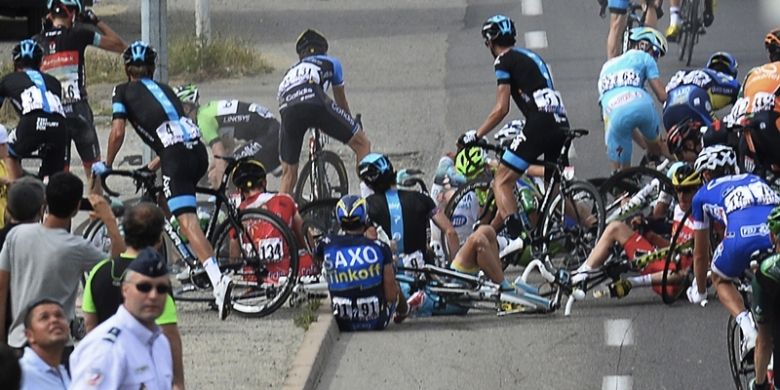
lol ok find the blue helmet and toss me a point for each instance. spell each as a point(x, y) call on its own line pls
point(723, 62)
point(139, 53)
point(652, 36)
point(376, 171)
point(352, 212)
point(28, 53)
point(54, 4)
point(498, 26)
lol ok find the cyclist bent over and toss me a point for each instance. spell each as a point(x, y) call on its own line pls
point(523, 75)
point(36, 99)
point(158, 118)
point(624, 102)
point(766, 295)
point(304, 103)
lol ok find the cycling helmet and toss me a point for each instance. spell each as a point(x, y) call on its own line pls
point(498, 26)
point(772, 41)
point(139, 53)
point(681, 132)
point(685, 176)
point(54, 5)
point(311, 42)
point(470, 161)
point(652, 36)
point(723, 62)
point(352, 212)
point(28, 53)
point(247, 174)
point(773, 220)
point(718, 158)
point(376, 171)
point(187, 93)
point(509, 132)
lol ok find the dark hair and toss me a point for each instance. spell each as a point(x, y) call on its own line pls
point(63, 194)
point(504, 41)
point(139, 71)
point(143, 225)
point(26, 196)
point(10, 371)
point(29, 310)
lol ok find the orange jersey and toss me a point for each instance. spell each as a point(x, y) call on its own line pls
point(760, 91)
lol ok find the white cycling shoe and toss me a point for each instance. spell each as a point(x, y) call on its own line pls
point(748, 344)
point(222, 292)
point(513, 246)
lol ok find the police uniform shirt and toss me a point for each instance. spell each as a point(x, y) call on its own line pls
point(121, 353)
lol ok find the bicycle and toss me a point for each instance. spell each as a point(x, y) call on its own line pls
point(691, 29)
point(242, 250)
point(636, 15)
point(315, 175)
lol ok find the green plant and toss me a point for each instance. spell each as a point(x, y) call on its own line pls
point(103, 67)
point(307, 314)
point(221, 57)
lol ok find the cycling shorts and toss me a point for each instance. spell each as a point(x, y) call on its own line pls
point(542, 135)
point(637, 245)
point(618, 6)
point(317, 110)
point(182, 165)
point(623, 113)
point(264, 148)
point(38, 130)
point(732, 256)
point(765, 134)
point(766, 290)
point(687, 102)
point(81, 126)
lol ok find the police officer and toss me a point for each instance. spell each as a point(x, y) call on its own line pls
point(129, 350)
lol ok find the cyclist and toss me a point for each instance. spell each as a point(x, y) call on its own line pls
point(618, 20)
point(36, 99)
point(304, 103)
point(624, 102)
point(673, 31)
point(523, 75)
point(697, 93)
point(684, 140)
point(359, 271)
point(64, 43)
point(224, 122)
point(158, 118)
point(766, 287)
point(740, 202)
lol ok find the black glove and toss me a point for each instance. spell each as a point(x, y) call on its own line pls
point(88, 17)
point(708, 18)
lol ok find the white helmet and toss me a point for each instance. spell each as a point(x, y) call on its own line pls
point(716, 156)
point(509, 132)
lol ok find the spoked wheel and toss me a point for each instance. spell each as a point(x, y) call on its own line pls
point(741, 372)
point(685, 10)
point(463, 202)
point(623, 185)
point(319, 219)
point(693, 25)
point(678, 268)
point(262, 259)
point(323, 177)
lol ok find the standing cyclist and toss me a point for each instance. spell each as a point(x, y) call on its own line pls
point(158, 118)
point(36, 98)
point(64, 46)
point(304, 103)
point(673, 32)
point(618, 19)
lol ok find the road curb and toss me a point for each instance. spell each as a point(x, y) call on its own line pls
point(316, 345)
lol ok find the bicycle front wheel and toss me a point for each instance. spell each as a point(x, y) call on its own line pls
point(741, 372)
point(693, 34)
point(625, 184)
point(319, 219)
point(260, 254)
point(323, 177)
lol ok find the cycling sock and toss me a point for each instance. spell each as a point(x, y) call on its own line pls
point(746, 324)
point(506, 285)
point(364, 190)
point(212, 269)
point(641, 280)
point(675, 15)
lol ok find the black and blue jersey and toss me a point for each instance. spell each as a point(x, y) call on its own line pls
point(530, 80)
point(320, 70)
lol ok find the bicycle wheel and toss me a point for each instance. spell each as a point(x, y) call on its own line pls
point(262, 259)
point(741, 372)
point(694, 23)
point(317, 178)
point(625, 184)
point(678, 267)
point(319, 219)
point(685, 9)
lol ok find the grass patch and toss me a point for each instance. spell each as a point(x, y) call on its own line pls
point(222, 57)
point(103, 67)
point(307, 315)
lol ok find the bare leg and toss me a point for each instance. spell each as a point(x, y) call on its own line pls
point(360, 145)
point(14, 168)
point(614, 232)
point(481, 250)
point(289, 177)
point(189, 224)
point(763, 351)
point(503, 188)
point(728, 295)
point(617, 23)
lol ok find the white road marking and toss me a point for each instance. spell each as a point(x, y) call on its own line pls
point(617, 382)
point(532, 7)
point(618, 332)
point(536, 39)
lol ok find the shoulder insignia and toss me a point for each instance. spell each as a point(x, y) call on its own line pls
point(112, 334)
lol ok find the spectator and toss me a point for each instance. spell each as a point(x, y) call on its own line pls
point(128, 350)
point(46, 330)
point(10, 372)
point(26, 203)
point(5, 180)
point(143, 227)
point(45, 261)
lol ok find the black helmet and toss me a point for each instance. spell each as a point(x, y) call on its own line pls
point(28, 53)
point(56, 6)
point(772, 41)
point(311, 42)
point(376, 171)
point(681, 132)
point(248, 173)
point(499, 27)
point(139, 53)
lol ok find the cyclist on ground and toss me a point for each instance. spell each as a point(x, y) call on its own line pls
point(225, 122)
point(697, 93)
point(618, 19)
point(523, 75)
point(741, 203)
point(675, 22)
point(304, 103)
point(369, 299)
point(158, 118)
point(625, 103)
point(64, 41)
point(766, 295)
point(36, 98)
point(684, 141)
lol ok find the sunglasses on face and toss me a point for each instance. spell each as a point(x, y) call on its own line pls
point(145, 287)
point(685, 190)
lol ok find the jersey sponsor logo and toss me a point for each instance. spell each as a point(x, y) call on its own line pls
point(65, 67)
point(623, 98)
point(755, 193)
point(754, 230)
point(697, 77)
point(363, 264)
point(236, 119)
point(458, 220)
point(623, 78)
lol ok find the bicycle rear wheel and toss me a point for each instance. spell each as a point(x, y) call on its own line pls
point(694, 23)
point(318, 178)
point(624, 184)
point(319, 219)
point(685, 9)
point(262, 258)
point(741, 372)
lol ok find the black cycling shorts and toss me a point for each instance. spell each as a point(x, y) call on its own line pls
point(542, 134)
point(319, 111)
point(264, 147)
point(765, 133)
point(45, 132)
point(81, 126)
point(182, 166)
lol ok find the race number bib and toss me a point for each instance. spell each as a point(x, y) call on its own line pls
point(64, 66)
point(763, 101)
point(227, 107)
point(270, 249)
point(365, 309)
point(299, 74)
point(260, 110)
point(174, 132)
point(549, 100)
point(32, 99)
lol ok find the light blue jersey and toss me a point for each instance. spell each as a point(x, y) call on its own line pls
point(627, 72)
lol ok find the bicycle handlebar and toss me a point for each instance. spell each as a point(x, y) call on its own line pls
point(141, 177)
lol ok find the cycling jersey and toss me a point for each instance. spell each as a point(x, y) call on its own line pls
point(741, 203)
point(269, 240)
point(696, 94)
point(416, 211)
point(321, 70)
point(766, 290)
point(354, 268)
point(64, 58)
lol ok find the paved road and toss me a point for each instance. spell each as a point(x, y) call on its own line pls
point(634, 343)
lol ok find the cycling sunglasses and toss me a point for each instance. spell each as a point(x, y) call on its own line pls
point(649, 48)
point(145, 287)
point(685, 189)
